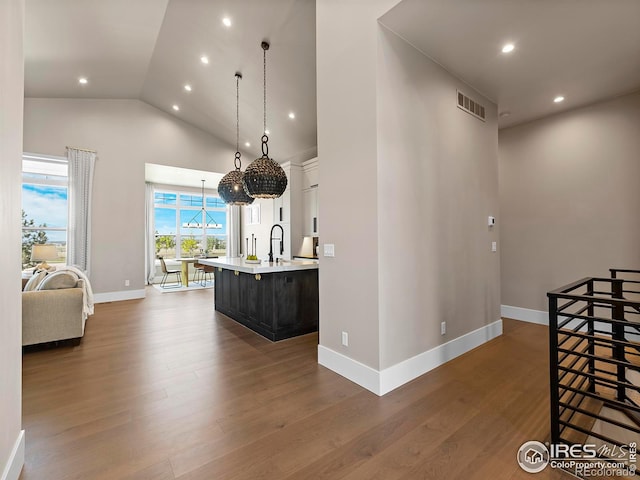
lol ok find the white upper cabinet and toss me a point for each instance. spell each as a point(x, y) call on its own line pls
point(297, 209)
point(310, 173)
point(310, 227)
point(310, 212)
point(287, 210)
point(282, 207)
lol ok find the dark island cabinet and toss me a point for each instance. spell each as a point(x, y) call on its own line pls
point(275, 305)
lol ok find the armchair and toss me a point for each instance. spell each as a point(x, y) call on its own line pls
point(51, 315)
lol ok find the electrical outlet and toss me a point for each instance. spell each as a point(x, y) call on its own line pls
point(329, 250)
point(494, 246)
point(126, 283)
point(443, 328)
point(345, 339)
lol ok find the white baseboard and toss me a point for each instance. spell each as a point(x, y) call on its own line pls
point(118, 296)
point(349, 368)
point(525, 314)
point(16, 460)
point(382, 382)
point(403, 372)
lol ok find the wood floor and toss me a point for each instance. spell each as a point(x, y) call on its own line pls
point(164, 388)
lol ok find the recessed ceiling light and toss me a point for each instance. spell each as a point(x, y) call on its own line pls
point(187, 87)
point(204, 59)
point(176, 107)
point(83, 80)
point(292, 115)
point(558, 99)
point(505, 114)
point(267, 132)
point(247, 144)
point(226, 21)
point(508, 48)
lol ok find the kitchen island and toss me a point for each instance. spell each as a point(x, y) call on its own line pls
point(277, 300)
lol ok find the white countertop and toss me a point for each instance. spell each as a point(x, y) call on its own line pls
point(265, 267)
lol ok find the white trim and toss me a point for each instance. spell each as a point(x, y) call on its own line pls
point(382, 382)
point(403, 372)
point(525, 314)
point(311, 163)
point(349, 368)
point(44, 158)
point(118, 296)
point(16, 460)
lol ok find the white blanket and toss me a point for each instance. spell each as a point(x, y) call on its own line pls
point(87, 293)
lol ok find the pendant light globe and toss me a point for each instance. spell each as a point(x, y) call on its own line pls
point(231, 186)
point(264, 177)
point(231, 189)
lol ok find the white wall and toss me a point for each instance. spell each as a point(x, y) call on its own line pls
point(437, 184)
point(569, 199)
point(126, 134)
point(11, 94)
point(346, 46)
point(407, 183)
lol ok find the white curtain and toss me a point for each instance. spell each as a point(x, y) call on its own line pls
point(149, 235)
point(81, 166)
point(233, 234)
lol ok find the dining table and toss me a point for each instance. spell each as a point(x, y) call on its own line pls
point(185, 267)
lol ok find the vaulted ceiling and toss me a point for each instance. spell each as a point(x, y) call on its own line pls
point(149, 49)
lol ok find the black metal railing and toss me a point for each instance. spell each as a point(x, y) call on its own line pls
point(594, 347)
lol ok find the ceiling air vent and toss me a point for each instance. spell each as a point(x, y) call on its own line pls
point(470, 106)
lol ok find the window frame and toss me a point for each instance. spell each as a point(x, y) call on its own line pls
point(46, 178)
point(179, 207)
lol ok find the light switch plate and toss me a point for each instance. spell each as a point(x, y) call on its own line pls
point(494, 246)
point(329, 250)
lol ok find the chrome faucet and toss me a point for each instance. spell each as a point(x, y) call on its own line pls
point(272, 238)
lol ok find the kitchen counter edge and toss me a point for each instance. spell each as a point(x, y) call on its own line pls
point(264, 267)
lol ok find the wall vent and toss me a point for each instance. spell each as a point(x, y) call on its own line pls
point(470, 106)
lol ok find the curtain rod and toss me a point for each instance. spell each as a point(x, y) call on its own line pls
point(81, 149)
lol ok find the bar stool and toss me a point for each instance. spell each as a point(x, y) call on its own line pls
point(206, 270)
point(198, 271)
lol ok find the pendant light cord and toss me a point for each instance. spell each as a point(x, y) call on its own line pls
point(264, 83)
point(236, 161)
point(265, 138)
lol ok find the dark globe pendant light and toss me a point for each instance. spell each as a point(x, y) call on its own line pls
point(264, 177)
point(230, 187)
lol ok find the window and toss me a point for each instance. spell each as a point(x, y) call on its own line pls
point(44, 205)
point(183, 228)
